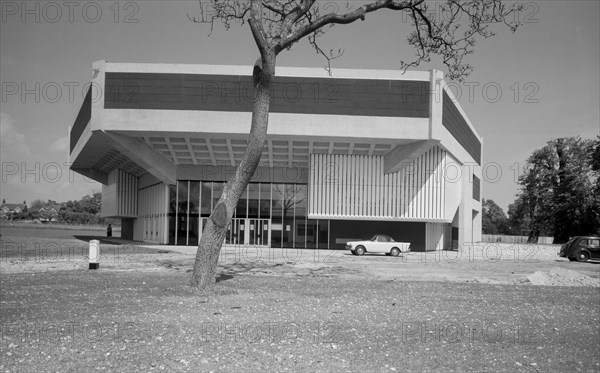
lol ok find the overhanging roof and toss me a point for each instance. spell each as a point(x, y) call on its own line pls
point(177, 117)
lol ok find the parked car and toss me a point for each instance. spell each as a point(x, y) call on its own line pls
point(581, 248)
point(379, 243)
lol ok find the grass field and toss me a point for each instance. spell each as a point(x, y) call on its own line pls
point(136, 314)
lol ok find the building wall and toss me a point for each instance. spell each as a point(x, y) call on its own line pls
point(431, 190)
point(119, 196)
point(346, 186)
point(438, 236)
point(453, 185)
point(151, 224)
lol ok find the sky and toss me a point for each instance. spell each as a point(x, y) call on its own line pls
point(537, 84)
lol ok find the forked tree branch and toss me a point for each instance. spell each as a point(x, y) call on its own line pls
point(278, 25)
point(343, 19)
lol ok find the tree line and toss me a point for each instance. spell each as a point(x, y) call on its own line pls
point(83, 211)
point(559, 194)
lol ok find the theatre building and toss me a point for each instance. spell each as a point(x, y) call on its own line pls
point(348, 155)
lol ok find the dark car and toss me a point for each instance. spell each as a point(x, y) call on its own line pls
point(581, 249)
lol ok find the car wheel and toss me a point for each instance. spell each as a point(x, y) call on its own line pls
point(360, 250)
point(395, 251)
point(572, 259)
point(582, 256)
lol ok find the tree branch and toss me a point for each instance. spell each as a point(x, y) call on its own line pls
point(333, 18)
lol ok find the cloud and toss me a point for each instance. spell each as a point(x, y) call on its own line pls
point(61, 145)
point(12, 143)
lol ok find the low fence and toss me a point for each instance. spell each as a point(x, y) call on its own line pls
point(513, 239)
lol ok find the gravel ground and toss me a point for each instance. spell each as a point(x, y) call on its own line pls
point(333, 313)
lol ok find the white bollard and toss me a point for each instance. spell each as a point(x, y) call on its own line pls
point(94, 254)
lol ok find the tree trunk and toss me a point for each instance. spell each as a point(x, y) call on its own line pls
point(534, 236)
point(562, 216)
point(213, 235)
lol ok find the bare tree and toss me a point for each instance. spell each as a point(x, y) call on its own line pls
point(292, 196)
point(276, 25)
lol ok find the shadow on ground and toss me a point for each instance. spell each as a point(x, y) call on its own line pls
point(103, 239)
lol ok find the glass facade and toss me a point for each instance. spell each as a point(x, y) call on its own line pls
point(268, 214)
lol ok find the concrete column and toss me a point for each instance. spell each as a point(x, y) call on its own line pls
point(465, 214)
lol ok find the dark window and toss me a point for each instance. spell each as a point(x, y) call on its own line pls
point(389, 98)
point(84, 116)
point(310, 233)
point(253, 200)
point(265, 201)
point(454, 122)
point(172, 213)
point(194, 209)
point(205, 206)
point(242, 205)
point(277, 215)
point(476, 188)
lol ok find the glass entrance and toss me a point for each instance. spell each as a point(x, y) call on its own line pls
point(268, 214)
point(258, 233)
point(248, 232)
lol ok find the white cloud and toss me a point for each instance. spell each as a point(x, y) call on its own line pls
point(25, 177)
point(12, 143)
point(61, 145)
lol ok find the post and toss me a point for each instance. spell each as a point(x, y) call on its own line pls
point(94, 256)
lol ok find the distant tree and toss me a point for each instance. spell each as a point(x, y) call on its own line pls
point(3, 201)
point(84, 211)
point(518, 219)
point(92, 203)
point(276, 26)
point(558, 192)
point(595, 163)
point(493, 218)
point(33, 214)
point(36, 204)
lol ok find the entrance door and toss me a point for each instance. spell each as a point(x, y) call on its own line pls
point(247, 231)
point(258, 232)
point(236, 232)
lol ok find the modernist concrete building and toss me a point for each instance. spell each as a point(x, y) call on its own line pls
point(347, 156)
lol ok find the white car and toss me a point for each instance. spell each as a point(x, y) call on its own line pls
point(379, 243)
